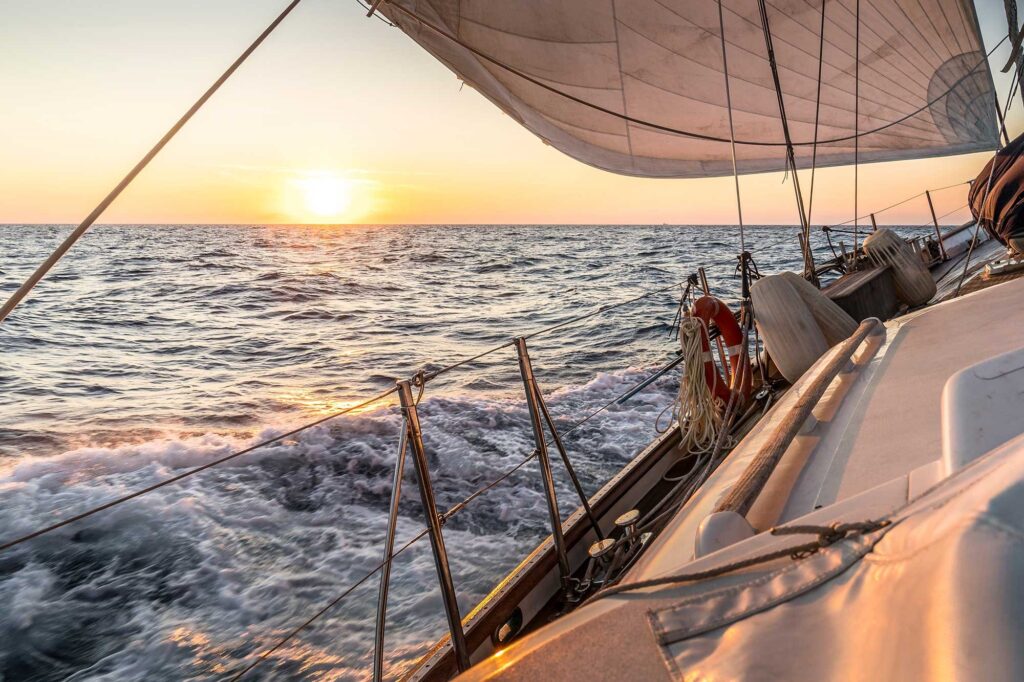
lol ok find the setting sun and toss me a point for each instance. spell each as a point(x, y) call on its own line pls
point(326, 196)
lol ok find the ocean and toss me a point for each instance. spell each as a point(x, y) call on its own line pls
point(153, 349)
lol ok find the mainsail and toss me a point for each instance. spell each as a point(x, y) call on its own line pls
point(637, 86)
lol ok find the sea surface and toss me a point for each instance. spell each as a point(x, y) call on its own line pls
point(150, 350)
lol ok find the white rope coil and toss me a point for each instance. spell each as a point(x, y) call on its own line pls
point(696, 409)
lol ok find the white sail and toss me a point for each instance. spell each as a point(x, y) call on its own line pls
point(924, 81)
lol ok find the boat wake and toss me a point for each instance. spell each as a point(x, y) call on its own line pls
point(199, 577)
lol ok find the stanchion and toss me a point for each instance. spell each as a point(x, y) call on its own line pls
point(444, 575)
point(935, 221)
point(385, 570)
point(533, 403)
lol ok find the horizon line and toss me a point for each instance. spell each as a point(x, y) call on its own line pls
point(502, 224)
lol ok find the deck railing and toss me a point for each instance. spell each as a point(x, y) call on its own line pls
point(545, 436)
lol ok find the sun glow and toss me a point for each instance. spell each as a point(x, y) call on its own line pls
point(325, 195)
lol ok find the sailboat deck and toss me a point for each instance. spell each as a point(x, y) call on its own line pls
point(891, 423)
point(877, 423)
point(948, 275)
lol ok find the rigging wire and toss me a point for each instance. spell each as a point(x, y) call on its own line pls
point(732, 130)
point(455, 509)
point(665, 128)
point(371, 11)
point(808, 254)
point(817, 114)
point(75, 235)
point(856, 128)
point(988, 185)
point(805, 226)
point(1010, 7)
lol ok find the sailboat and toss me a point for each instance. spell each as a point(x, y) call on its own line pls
point(839, 493)
point(864, 522)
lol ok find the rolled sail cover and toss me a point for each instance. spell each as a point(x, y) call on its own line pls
point(571, 70)
point(999, 207)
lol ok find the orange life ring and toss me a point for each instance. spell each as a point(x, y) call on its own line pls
point(707, 309)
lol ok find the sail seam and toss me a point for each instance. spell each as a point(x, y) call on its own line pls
point(622, 79)
point(783, 41)
point(665, 128)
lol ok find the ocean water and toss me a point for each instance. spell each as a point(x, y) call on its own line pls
point(152, 349)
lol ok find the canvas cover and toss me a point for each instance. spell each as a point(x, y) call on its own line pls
point(996, 196)
point(925, 86)
point(936, 594)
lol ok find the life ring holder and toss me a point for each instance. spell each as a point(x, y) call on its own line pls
point(708, 309)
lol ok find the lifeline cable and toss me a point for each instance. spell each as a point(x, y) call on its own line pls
point(455, 509)
point(334, 602)
point(900, 203)
point(186, 474)
point(602, 309)
point(422, 379)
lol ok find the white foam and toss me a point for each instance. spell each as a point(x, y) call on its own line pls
point(192, 579)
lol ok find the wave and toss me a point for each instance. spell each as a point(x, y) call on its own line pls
point(174, 365)
point(195, 578)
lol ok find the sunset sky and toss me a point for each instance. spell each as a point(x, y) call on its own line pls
point(336, 118)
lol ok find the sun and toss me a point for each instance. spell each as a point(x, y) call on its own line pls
point(325, 195)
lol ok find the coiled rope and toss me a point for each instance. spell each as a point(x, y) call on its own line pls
point(696, 409)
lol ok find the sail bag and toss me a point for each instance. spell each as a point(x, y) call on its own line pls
point(997, 195)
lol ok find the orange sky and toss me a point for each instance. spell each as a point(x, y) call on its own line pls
point(335, 119)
